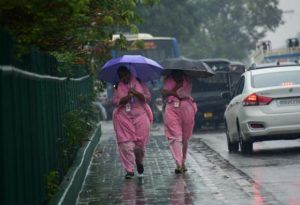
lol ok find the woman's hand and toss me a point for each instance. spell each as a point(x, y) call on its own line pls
point(125, 100)
point(177, 86)
point(137, 94)
point(166, 93)
point(133, 92)
point(172, 92)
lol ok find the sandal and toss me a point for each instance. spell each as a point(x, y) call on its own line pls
point(140, 168)
point(178, 171)
point(184, 169)
point(129, 175)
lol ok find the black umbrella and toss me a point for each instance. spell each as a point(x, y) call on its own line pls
point(193, 68)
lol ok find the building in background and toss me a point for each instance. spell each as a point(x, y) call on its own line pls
point(265, 54)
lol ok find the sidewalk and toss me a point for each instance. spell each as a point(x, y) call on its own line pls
point(202, 184)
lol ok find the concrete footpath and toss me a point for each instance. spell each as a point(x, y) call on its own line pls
point(206, 182)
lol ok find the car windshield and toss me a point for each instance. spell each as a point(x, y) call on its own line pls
point(218, 65)
point(276, 79)
point(219, 82)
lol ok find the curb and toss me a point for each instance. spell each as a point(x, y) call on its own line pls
point(71, 185)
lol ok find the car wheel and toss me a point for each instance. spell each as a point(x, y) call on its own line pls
point(232, 146)
point(245, 146)
point(216, 125)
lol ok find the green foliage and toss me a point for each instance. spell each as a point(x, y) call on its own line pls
point(77, 125)
point(74, 30)
point(46, 24)
point(75, 129)
point(213, 28)
point(52, 180)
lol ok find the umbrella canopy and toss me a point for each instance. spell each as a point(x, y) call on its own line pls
point(193, 68)
point(143, 68)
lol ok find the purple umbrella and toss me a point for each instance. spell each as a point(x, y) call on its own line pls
point(140, 66)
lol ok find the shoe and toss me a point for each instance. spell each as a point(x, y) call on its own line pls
point(140, 176)
point(178, 171)
point(129, 175)
point(184, 169)
point(140, 168)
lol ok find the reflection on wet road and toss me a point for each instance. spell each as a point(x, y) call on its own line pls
point(133, 193)
point(179, 192)
point(210, 179)
point(257, 197)
point(273, 166)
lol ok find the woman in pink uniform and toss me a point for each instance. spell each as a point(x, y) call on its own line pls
point(179, 115)
point(131, 118)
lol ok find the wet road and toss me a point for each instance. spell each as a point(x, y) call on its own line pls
point(274, 165)
point(269, 176)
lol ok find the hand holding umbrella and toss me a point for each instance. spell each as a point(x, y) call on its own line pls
point(125, 100)
point(172, 92)
point(134, 93)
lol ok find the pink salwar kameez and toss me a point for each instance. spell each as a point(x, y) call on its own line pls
point(132, 124)
point(179, 119)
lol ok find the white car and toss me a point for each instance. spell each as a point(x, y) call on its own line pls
point(265, 105)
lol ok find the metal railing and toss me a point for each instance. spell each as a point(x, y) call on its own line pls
point(260, 55)
point(33, 102)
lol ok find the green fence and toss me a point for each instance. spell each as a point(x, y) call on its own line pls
point(33, 103)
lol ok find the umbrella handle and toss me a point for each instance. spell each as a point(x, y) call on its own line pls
point(132, 99)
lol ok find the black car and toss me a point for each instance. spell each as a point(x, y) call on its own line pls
point(208, 95)
point(207, 92)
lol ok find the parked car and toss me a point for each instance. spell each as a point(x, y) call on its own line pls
point(207, 92)
point(211, 105)
point(236, 66)
point(265, 105)
point(236, 69)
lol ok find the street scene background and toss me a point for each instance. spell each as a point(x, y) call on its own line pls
point(57, 141)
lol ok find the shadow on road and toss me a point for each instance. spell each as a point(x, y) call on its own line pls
point(282, 151)
point(209, 130)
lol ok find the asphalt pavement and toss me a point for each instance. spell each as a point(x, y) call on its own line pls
point(210, 178)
